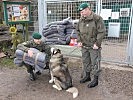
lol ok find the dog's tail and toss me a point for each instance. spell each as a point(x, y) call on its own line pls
point(74, 91)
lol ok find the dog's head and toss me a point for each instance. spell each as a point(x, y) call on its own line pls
point(55, 51)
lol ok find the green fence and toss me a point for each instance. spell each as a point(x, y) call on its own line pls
point(116, 6)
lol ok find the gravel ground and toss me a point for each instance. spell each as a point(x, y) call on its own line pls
point(115, 83)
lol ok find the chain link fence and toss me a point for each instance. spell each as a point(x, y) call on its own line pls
point(116, 15)
point(118, 29)
point(34, 26)
point(57, 11)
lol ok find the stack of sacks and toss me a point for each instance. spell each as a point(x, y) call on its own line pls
point(37, 60)
point(55, 34)
point(71, 34)
point(71, 29)
point(58, 32)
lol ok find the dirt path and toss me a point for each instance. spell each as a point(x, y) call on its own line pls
point(15, 85)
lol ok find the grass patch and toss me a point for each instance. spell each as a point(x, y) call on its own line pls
point(7, 62)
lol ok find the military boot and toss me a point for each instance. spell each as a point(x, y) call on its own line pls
point(47, 65)
point(32, 76)
point(30, 71)
point(86, 78)
point(93, 83)
point(38, 73)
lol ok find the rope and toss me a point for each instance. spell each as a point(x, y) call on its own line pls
point(36, 58)
point(24, 56)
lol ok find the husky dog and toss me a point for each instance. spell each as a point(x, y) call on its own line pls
point(60, 75)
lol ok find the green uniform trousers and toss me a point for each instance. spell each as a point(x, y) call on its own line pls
point(91, 60)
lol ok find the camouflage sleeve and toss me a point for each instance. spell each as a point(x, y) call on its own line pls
point(24, 46)
point(47, 50)
point(78, 32)
point(100, 31)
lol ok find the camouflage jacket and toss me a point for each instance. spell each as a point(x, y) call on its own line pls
point(91, 30)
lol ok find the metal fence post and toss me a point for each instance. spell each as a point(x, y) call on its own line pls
point(130, 40)
point(98, 6)
point(42, 14)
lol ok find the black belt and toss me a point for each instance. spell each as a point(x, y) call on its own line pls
point(86, 47)
point(90, 47)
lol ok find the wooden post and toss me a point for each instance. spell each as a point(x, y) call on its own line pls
point(27, 33)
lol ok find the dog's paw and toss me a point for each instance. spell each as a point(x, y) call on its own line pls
point(51, 81)
point(54, 86)
point(75, 95)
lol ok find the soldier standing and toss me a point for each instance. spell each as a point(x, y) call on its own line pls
point(91, 31)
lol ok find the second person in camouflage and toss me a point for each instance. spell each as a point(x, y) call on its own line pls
point(91, 31)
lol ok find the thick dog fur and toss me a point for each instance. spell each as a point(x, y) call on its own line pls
point(60, 75)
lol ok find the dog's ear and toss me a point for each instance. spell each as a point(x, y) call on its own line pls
point(52, 50)
point(58, 51)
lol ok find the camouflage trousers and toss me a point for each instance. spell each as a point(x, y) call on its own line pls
point(91, 60)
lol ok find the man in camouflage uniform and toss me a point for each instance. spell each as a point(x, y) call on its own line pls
point(91, 31)
point(38, 44)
